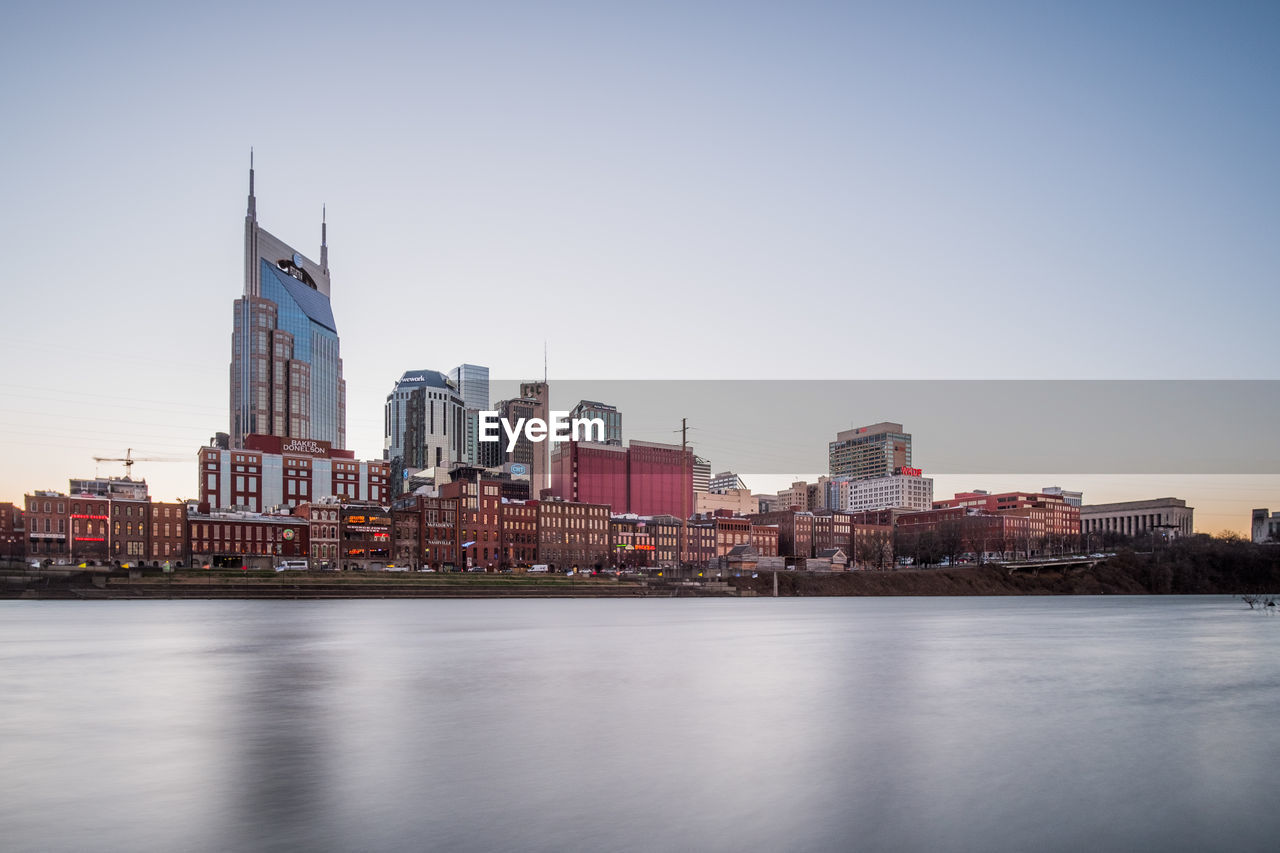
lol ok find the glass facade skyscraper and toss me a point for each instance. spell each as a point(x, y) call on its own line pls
point(286, 367)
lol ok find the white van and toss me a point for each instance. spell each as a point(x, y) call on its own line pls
point(292, 566)
point(540, 569)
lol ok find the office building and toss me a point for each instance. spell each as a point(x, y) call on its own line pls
point(1075, 499)
point(271, 472)
point(610, 415)
point(878, 450)
point(538, 395)
point(725, 481)
point(286, 369)
point(701, 475)
point(906, 490)
point(424, 423)
point(472, 382)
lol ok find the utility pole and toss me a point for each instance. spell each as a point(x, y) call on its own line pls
point(684, 494)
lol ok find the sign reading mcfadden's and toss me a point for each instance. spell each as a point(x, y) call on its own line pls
point(561, 428)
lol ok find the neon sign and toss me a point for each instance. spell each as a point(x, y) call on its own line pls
point(911, 472)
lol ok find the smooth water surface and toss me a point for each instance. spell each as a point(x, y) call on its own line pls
point(978, 724)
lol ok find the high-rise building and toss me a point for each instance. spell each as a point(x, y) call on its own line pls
point(424, 423)
point(878, 450)
point(472, 382)
point(701, 475)
point(540, 467)
point(725, 481)
point(286, 370)
point(609, 414)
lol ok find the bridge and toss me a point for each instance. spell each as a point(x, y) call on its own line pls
point(1064, 563)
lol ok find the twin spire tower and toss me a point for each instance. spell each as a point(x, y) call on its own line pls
point(286, 370)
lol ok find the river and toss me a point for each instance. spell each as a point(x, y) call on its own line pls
point(983, 724)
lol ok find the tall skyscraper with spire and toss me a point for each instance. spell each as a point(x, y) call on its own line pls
point(286, 371)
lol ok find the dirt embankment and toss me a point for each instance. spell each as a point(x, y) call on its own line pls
point(984, 580)
point(1193, 568)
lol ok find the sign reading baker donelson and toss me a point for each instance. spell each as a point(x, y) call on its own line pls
point(295, 446)
point(305, 445)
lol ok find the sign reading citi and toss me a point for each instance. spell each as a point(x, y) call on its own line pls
point(561, 428)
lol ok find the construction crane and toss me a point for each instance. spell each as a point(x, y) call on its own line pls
point(128, 459)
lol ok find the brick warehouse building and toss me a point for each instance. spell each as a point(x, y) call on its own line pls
point(13, 532)
point(573, 535)
point(244, 539)
point(271, 471)
point(168, 539)
point(1049, 514)
point(647, 478)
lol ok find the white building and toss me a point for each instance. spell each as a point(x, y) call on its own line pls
point(910, 491)
point(1071, 498)
point(1266, 528)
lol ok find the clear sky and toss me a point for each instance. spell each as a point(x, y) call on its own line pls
point(710, 190)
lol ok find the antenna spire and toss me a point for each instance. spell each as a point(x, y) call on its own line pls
point(544, 361)
point(253, 203)
point(324, 237)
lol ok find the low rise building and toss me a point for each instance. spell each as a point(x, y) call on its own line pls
point(1168, 516)
point(1265, 528)
point(323, 518)
point(364, 534)
point(573, 535)
point(13, 532)
point(244, 540)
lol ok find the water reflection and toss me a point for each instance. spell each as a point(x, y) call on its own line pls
point(962, 724)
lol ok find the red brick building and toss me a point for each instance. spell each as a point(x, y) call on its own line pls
point(242, 540)
point(168, 539)
point(646, 478)
point(519, 533)
point(957, 531)
point(590, 473)
point(271, 471)
point(13, 539)
point(479, 521)
point(130, 531)
point(1048, 515)
point(323, 519)
point(573, 535)
point(364, 537)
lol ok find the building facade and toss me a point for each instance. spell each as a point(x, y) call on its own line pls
point(1170, 516)
point(878, 450)
point(610, 415)
point(286, 368)
point(907, 489)
point(245, 540)
point(1265, 528)
point(425, 423)
point(573, 535)
point(269, 471)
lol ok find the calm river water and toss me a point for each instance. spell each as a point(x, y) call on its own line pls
point(980, 724)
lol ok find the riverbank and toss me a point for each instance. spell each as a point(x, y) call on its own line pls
point(1192, 568)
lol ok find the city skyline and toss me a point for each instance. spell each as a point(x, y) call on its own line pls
point(1113, 199)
